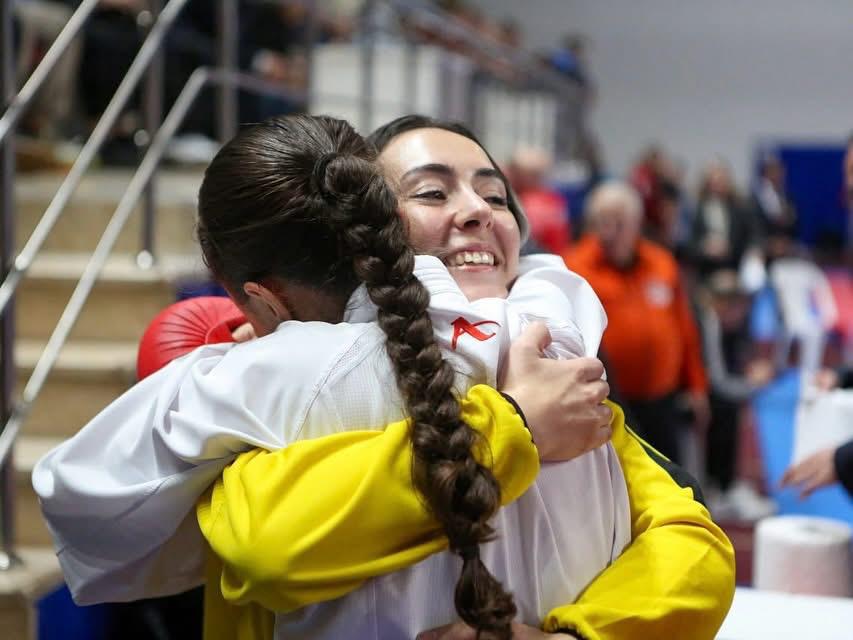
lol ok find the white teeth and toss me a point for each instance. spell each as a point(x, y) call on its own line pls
point(471, 257)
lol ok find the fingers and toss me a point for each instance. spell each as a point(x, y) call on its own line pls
point(534, 338)
point(808, 475)
point(812, 484)
point(602, 436)
point(797, 475)
point(598, 391)
point(588, 369)
point(788, 477)
point(604, 415)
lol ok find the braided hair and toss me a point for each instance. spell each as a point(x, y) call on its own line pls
point(301, 198)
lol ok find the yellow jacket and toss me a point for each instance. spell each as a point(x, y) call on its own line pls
point(276, 551)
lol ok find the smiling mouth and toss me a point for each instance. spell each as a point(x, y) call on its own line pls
point(471, 258)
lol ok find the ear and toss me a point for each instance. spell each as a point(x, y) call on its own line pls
point(264, 308)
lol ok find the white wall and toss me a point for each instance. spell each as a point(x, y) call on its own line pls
point(703, 77)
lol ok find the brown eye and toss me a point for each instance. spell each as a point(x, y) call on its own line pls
point(433, 194)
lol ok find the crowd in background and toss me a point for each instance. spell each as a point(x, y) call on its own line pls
point(684, 274)
point(681, 271)
point(274, 38)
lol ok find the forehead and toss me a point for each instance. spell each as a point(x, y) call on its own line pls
point(420, 147)
point(616, 205)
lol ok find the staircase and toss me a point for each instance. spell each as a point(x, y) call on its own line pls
point(98, 362)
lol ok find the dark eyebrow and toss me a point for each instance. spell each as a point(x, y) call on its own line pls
point(445, 170)
point(436, 167)
point(488, 173)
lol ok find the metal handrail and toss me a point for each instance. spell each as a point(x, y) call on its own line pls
point(196, 82)
point(87, 154)
point(8, 559)
point(22, 99)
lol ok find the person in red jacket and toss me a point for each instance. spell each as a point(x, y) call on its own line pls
point(547, 210)
point(652, 342)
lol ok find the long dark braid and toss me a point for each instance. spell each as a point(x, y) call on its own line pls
point(332, 180)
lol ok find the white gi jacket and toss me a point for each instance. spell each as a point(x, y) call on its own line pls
point(119, 496)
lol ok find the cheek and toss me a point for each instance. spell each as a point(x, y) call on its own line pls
point(425, 229)
point(510, 239)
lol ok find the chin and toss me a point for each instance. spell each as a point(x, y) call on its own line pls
point(478, 291)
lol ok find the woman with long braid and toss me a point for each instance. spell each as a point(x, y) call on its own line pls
point(336, 205)
point(334, 196)
point(687, 594)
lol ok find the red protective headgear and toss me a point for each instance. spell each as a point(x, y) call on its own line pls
point(184, 326)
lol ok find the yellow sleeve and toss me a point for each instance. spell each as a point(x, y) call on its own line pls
point(313, 521)
point(676, 579)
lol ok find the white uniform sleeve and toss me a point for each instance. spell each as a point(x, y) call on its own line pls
point(117, 490)
point(119, 496)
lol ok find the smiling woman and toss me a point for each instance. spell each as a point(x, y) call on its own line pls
point(457, 208)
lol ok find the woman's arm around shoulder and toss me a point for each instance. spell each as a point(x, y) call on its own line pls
point(676, 578)
point(313, 521)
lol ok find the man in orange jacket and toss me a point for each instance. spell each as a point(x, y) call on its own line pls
point(651, 343)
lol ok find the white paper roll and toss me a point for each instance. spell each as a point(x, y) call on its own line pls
point(803, 554)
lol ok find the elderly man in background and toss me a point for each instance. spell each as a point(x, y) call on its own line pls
point(652, 343)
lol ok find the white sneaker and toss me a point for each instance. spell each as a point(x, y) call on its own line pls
point(720, 505)
point(748, 504)
point(192, 148)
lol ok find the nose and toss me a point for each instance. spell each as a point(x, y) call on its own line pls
point(473, 211)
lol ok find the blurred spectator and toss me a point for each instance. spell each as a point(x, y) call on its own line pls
point(848, 188)
point(724, 228)
point(652, 343)
point(547, 210)
point(848, 170)
point(668, 219)
point(271, 44)
point(47, 129)
point(776, 213)
point(575, 178)
point(724, 307)
point(570, 59)
point(52, 112)
point(656, 177)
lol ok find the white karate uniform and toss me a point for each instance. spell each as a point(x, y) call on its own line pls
point(119, 496)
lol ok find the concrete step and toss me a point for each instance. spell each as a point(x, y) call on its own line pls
point(30, 529)
point(122, 303)
point(22, 586)
point(93, 203)
point(87, 376)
